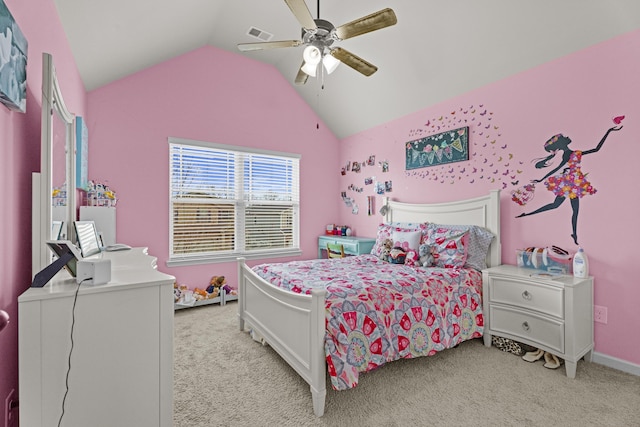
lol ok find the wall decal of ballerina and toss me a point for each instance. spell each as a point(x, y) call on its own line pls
point(567, 181)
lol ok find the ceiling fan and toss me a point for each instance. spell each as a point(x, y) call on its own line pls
point(319, 35)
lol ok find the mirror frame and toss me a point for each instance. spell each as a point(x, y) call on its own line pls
point(52, 103)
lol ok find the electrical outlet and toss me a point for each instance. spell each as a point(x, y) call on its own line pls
point(8, 410)
point(600, 314)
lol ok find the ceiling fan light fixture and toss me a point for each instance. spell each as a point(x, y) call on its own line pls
point(309, 69)
point(312, 55)
point(318, 36)
point(330, 63)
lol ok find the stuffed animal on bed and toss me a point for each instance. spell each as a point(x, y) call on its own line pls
point(426, 256)
point(387, 245)
point(397, 255)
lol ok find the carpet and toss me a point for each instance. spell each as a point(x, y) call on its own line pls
point(224, 378)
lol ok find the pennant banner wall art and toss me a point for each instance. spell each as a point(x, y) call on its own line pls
point(435, 150)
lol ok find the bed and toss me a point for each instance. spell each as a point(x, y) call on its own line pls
point(296, 322)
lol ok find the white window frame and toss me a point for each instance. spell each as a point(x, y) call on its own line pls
point(241, 204)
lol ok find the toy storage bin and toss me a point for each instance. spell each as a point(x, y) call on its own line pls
point(544, 259)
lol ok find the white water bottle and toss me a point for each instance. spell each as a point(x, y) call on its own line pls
point(580, 264)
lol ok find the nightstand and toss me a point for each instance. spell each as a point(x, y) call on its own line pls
point(352, 245)
point(553, 313)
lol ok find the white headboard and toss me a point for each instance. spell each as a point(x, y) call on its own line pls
point(482, 211)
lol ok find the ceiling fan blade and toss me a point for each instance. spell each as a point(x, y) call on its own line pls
point(245, 47)
point(302, 14)
point(381, 19)
point(301, 77)
point(353, 61)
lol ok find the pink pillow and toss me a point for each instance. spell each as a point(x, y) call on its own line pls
point(450, 247)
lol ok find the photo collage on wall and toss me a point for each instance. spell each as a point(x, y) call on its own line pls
point(371, 183)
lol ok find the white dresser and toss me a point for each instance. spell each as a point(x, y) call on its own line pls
point(122, 360)
point(554, 314)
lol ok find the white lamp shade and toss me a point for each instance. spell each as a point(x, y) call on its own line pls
point(312, 55)
point(309, 69)
point(330, 63)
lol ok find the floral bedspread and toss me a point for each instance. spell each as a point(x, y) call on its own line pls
point(378, 312)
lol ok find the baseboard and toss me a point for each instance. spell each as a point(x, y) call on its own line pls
point(615, 363)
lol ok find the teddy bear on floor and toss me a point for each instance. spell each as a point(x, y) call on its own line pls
point(176, 292)
point(179, 292)
point(215, 285)
point(387, 245)
point(426, 256)
point(200, 294)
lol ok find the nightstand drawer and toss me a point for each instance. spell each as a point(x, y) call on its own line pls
point(537, 329)
point(533, 296)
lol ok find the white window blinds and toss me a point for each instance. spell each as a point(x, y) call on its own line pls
point(228, 203)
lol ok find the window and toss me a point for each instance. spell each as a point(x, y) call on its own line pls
point(228, 202)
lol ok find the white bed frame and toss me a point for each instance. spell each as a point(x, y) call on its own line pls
point(294, 325)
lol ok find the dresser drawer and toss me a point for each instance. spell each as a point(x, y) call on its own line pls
point(537, 329)
point(533, 296)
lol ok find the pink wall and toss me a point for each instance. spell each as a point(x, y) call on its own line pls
point(208, 95)
point(217, 96)
point(509, 121)
point(19, 157)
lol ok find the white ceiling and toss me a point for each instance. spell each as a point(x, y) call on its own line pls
point(438, 49)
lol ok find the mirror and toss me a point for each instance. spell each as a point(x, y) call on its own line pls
point(54, 196)
point(87, 238)
point(59, 169)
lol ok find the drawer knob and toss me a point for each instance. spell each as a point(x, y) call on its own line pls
point(525, 326)
point(526, 295)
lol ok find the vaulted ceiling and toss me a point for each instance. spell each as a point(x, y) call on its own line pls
point(438, 49)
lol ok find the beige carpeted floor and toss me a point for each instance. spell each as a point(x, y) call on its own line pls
point(224, 378)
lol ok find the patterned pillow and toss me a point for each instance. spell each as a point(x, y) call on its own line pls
point(409, 241)
point(385, 231)
point(478, 245)
point(449, 247)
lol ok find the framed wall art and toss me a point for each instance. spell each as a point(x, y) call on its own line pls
point(13, 62)
point(435, 150)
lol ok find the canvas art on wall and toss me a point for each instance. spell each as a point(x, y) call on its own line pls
point(434, 150)
point(13, 62)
